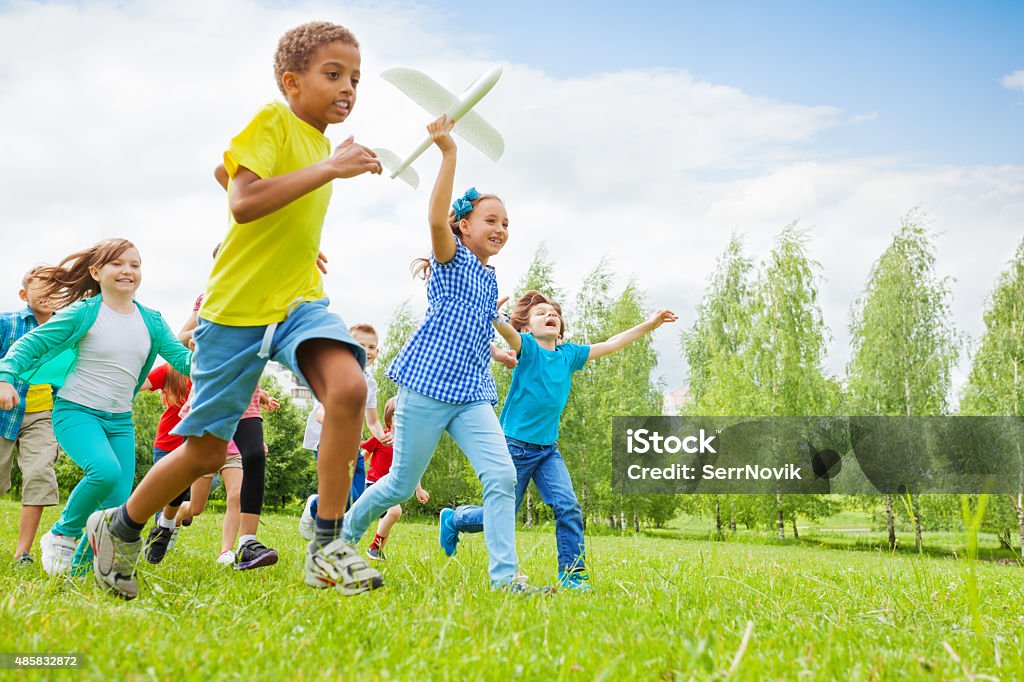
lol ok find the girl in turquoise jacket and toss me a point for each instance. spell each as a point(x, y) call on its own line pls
point(98, 350)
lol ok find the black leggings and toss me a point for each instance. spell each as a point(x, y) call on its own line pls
point(249, 439)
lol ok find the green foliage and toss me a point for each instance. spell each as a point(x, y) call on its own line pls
point(291, 470)
point(904, 345)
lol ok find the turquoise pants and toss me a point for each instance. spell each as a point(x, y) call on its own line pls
point(103, 445)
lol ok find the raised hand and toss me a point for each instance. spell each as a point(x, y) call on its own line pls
point(441, 133)
point(661, 317)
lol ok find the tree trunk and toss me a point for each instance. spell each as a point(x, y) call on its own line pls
point(636, 522)
point(622, 520)
point(1018, 505)
point(583, 505)
point(718, 519)
point(780, 521)
point(916, 508)
point(528, 513)
point(796, 533)
point(732, 523)
point(890, 524)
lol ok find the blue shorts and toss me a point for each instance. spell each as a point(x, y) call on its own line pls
point(226, 367)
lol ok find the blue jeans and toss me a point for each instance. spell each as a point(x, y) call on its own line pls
point(358, 482)
point(419, 423)
point(543, 464)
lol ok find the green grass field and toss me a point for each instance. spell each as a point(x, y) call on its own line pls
point(661, 609)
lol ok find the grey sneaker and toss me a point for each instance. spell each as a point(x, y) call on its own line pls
point(339, 566)
point(114, 563)
point(526, 590)
point(307, 522)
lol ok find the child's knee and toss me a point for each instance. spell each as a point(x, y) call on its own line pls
point(395, 513)
point(345, 394)
point(105, 477)
point(501, 479)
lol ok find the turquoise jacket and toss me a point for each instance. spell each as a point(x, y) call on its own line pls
point(48, 353)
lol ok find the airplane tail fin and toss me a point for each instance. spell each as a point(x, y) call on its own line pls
point(390, 160)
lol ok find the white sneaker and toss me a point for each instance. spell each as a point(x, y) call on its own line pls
point(307, 524)
point(339, 566)
point(226, 558)
point(58, 550)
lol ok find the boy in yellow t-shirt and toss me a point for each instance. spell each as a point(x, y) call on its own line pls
point(265, 300)
point(28, 427)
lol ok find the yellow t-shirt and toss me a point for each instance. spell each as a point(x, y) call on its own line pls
point(266, 265)
point(39, 398)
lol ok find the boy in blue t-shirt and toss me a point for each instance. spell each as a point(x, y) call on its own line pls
point(540, 388)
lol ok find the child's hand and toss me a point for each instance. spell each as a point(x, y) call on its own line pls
point(441, 133)
point(422, 496)
point(321, 262)
point(351, 159)
point(661, 317)
point(504, 356)
point(268, 402)
point(388, 438)
point(8, 396)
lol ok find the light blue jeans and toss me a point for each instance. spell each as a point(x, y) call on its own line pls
point(419, 423)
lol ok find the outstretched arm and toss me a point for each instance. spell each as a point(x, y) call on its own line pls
point(252, 197)
point(623, 339)
point(441, 238)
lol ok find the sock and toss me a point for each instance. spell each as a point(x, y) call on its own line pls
point(165, 522)
point(378, 541)
point(242, 539)
point(122, 526)
point(327, 530)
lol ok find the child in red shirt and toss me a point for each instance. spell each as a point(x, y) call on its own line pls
point(379, 457)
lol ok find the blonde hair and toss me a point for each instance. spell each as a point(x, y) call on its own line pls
point(71, 280)
point(420, 267)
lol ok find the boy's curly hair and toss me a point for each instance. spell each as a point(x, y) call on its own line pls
point(520, 318)
point(297, 46)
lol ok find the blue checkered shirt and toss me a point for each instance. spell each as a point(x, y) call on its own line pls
point(13, 326)
point(449, 357)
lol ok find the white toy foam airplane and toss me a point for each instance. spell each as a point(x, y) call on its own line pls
point(437, 100)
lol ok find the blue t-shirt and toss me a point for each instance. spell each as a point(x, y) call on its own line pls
point(540, 389)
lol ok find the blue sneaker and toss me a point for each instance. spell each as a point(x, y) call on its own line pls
point(578, 581)
point(447, 534)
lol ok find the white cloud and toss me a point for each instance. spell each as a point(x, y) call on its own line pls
point(1013, 81)
point(117, 133)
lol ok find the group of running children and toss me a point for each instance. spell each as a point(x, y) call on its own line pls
point(84, 333)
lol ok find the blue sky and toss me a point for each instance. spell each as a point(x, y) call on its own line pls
point(929, 71)
point(647, 133)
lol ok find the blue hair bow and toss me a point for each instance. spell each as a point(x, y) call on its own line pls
point(463, 205)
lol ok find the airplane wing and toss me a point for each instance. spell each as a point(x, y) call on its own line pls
point(436, 99)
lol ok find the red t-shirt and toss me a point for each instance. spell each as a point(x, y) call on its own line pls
point(169, 419)
point(380, 458)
